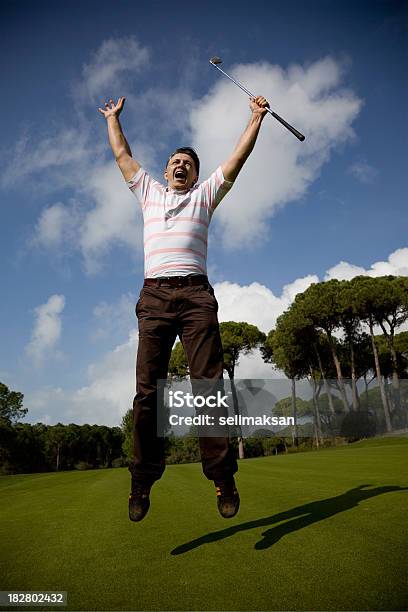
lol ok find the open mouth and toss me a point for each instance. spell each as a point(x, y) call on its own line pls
point(180, 175)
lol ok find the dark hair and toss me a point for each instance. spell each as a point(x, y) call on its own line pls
point(188, 151)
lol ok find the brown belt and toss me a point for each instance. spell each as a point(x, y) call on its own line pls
point(176, 281)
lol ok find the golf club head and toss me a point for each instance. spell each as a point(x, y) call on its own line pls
point(215, 60)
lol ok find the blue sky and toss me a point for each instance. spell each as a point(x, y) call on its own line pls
point(71, 259)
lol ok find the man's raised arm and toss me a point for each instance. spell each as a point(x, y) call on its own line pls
point(231, 168)
point(117, 140)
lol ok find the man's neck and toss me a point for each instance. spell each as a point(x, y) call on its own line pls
point(179, 191)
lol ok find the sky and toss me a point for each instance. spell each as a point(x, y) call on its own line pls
point(71, 233)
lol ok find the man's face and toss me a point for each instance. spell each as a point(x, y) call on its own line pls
point(180, 173)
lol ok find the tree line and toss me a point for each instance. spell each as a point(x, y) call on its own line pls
point(41, 448)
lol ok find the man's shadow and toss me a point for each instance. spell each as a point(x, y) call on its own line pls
point(301, 516)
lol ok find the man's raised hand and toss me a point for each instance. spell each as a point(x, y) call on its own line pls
point(111, 109)
point(258, 105)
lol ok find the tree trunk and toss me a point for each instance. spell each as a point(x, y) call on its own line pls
point(316, 419)
point(354, 394)
point(396, 396)
point(366, 389)
point(326, 384)
point(380, 380)
point(294, 412)
point(241, 452)
point(339, 374)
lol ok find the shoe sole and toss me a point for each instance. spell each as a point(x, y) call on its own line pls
point(229, 510)
point(137, 514)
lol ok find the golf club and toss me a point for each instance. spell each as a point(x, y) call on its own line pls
point(215, 61)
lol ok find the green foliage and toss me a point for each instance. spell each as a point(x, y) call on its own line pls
point(284, 407)
point(324, 406)
point(178, 365)
point(263, 433)
point(401, 343)
point(253, 447)
point(182, 450)
point(238, 339)
point(357, 425)
point(127, 430)
point(321, 305)
point(291, 346)
point(268, 347)
point(41, 448)
point(11, 405)
point(83, 465)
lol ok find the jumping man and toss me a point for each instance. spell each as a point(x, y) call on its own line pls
point(177, 299)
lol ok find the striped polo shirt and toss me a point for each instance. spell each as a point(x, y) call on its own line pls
point(176, 223)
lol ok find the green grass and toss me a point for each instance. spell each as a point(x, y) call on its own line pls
point(309, 535)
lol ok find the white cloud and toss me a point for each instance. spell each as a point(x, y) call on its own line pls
point(362, 171)
point(56, 224)
point(258, 305)
point(47, 329)
point(68, 150)
point(111, 388)
point(115, 319)
point(104, 400)
point(280, 169)
point(100, 212)
point(63, 152)
point(255, 303)
point(108, 68)
point(253, 366)
point(396, 265)
point(42, 403)
point(115, 218)
point(344, 271)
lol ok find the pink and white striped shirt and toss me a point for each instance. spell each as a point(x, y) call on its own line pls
point(176, 223)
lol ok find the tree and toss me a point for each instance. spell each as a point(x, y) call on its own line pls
point(11, 405)
point(283, 407)
point(352, 326)
point(127, 429)
point(321, 305)
point(178, 365)
point(56, 444)
point(238, 339)
point(365, 301)
point(391, 310)
point(293, 348)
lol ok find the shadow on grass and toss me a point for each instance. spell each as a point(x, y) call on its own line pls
point(302, 516)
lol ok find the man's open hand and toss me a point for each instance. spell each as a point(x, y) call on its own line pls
point(259, 105)
point(112, 109)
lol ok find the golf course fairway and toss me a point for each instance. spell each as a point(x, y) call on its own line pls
point(323, 530)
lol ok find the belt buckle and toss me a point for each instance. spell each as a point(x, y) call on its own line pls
point(169, 281)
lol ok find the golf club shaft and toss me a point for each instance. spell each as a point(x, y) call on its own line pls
point(287, 125)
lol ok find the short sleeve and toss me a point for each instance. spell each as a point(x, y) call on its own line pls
point(140, 185)
point(215, 188)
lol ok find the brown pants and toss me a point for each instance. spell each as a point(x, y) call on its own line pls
point(164, 312)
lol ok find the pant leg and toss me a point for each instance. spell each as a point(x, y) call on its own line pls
point(157, 332)
point(201, 339)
